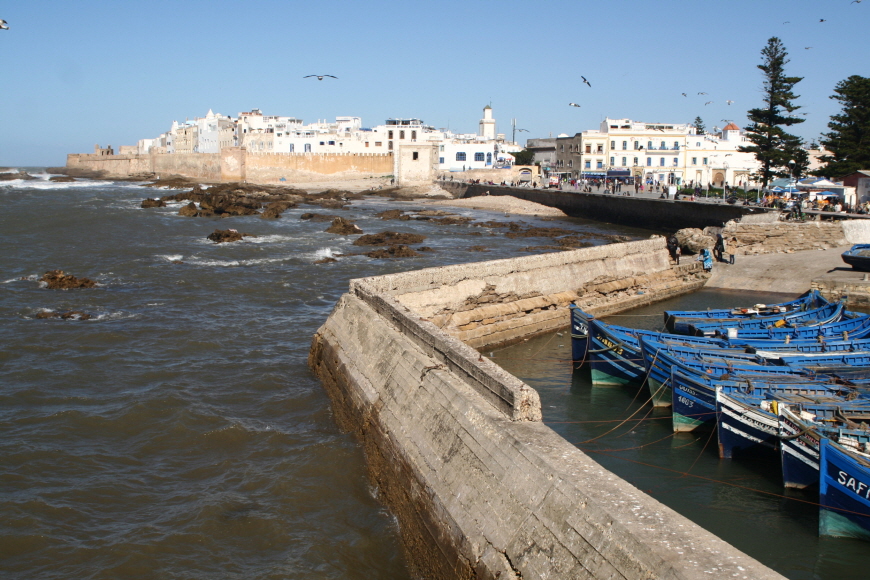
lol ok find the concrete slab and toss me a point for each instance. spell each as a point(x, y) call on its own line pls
point(788, 273)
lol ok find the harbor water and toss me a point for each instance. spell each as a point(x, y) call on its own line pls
point(178, 433)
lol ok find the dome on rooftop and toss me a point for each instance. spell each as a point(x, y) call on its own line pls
point(562, 135)
point(731, 127)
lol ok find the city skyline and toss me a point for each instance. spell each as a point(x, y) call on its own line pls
point(113, 74)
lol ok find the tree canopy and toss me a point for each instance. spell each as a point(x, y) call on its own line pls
point(700, 129)
point(524, 157)
point(772, 146)
point(848, 143)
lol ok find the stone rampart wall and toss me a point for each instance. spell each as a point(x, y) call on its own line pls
point(303, 168)
point(456, 447)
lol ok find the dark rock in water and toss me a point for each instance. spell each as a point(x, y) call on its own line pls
point(270, 213)
point(318, 217)
point(275, 208)
point(20, 175)
point(491, 224)
point(388, 239)
point(326, 260)
point(57, 280)
point(75, 314)
point(225, 236)
point(478, 249)
point(343, 227)
point(452, 221)
point(425, 249)
point(61, 178)
point(392, 214)
point(399, 251)
point(153, 203)
point(189, 210)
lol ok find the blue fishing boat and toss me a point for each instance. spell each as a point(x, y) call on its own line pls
point(805, 346)
point(850, 329)
point(677, 321)
point(823, 315)
point(844, 490)
point(858, 256)
point(802, 427)
point(746, 425)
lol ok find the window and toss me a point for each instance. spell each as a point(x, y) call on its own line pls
point(600, 148)
point(292, 148)
point(694, 160)
point(562, 148)
point(308, 147)
point(389, 134)
point(441, 148)
point(600, 164)
point(570, 163)
point(413, 135)
point(401, 134)
point(676, 144)
point(441, 160)
point(664, 145)
point(587, 165)
point(662, 162)
point(367, 143)
point(649, 145)
point(321, 142)
point(705, 161)
point(390, 145)
point(460, 156)
point(489, 158)
point(635, 161)
point(636, 146)
point(624, 161)
point(649, 161)
point(415, 156)
point(332, 142)
point(612, 161)
point(613, 144)
point(676, 161)
point(379, 143)
point(478, 156)
point(589, 149)
point(624, 145)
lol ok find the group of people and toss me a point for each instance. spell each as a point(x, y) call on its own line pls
point(705, 256)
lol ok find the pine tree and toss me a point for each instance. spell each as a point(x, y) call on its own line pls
point(700, 129)
point(849, 139)
point(772, 146)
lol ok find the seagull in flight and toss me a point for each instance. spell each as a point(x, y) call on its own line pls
point(787, 22)
point(702, 93)
point(807, 47)
point(585, 81)
point(822, 20)
point(729, 102)
point(573, 105)
point(319, 77)
point(708, 103)
point(856, 1)
point(3, 25)
point(684, 94)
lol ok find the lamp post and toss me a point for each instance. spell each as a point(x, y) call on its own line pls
point(791, 179)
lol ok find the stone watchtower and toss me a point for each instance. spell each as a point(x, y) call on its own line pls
point(487, 124)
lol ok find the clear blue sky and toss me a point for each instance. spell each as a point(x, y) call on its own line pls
point(80, 72)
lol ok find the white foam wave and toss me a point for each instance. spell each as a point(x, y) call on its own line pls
point(31, 278)
point(171, 257)
point(231, 263)
point(324, 253)
point(42, 184)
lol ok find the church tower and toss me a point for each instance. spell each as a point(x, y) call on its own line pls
point(487, 124)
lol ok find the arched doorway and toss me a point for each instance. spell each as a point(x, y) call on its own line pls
point(719, 178)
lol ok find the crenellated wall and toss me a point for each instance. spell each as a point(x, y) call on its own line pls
point(456, 447)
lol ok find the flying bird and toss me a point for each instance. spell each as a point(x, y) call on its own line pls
point(729, 102)
point(573, 105)
point(319, 77)
point(684, 94)
point(807, 47)
point(585, 81)
point(822, 20)
point(787, 22)
point(3, 25)
point(702, 93)
point(708, 103)
point(856, 1)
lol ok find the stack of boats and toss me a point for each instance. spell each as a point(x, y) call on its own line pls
point(789, 379)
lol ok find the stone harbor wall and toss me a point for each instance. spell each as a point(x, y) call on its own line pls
point(778, 237)
point(456, 447)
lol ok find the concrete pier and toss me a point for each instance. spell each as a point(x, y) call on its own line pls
point(455, 445)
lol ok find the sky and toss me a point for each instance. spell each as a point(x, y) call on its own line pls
point(74, 73)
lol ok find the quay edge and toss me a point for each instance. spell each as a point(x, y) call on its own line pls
point(456, 446)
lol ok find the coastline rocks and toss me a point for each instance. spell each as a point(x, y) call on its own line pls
point(189, 210)
point(388, 239)
point(148, 203)
point(343, 227)
point(326, 260)
point(693, 240)
point(226, 236)
point(318, 217)
point(392, 214)
point(70, 314)
point(12, 176)
point(61, 178)
point(398, 251)
point(275, 209)
point(57, 280)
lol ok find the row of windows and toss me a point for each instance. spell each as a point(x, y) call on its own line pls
point(402, 135)
point(649, 162)
point(460, 156)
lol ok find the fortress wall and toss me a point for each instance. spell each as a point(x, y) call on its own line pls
point(307, 167)
point(456, 447)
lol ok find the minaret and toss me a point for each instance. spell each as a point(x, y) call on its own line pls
point(487, 124)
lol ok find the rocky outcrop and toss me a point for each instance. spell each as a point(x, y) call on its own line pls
point(149, 203)
point(13, 176)
point(392, 214)
point(398, 251)
point(58, 280)
point(61, 178)
point(190, 210)
point(225, 236)
point(69, 314)
point(388, 239)
point(781, 237)
point(326, 260)
point(275, 209)
point(343, 227)
point(693, 240)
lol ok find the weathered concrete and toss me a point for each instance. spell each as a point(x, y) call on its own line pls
point(456, 447)
point(662, 214)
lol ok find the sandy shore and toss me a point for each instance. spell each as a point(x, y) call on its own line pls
point(502, 203)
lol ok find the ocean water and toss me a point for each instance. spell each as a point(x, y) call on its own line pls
point(178, 432)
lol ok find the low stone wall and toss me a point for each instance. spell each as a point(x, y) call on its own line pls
point(480, 486)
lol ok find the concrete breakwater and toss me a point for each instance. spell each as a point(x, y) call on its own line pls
point(456, 446)
point(662, 214)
